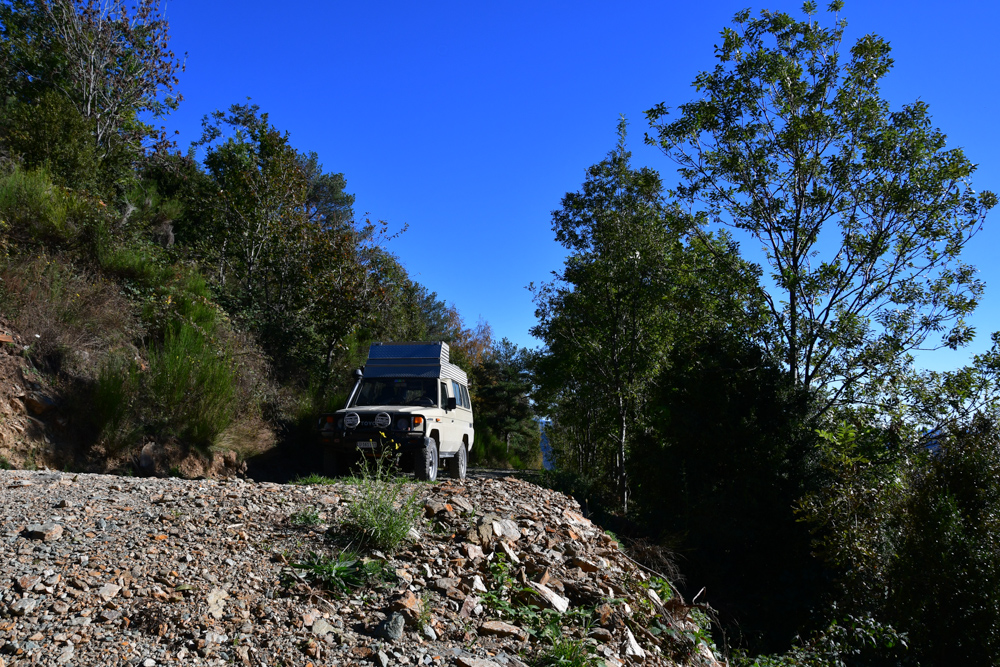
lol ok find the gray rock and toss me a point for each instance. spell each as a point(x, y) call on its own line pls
point(46, 532)
point(321, 627)
point(23, 606)
point(392, 627)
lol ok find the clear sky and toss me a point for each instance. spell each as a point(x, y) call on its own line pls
point(468, 121)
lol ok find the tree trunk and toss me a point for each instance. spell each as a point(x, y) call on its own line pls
point(622, 473)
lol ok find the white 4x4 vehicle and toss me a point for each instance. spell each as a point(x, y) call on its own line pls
point(408, 400)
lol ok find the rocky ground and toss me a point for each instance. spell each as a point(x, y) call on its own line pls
point(103, 570)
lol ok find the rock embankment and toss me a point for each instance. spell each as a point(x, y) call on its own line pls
point(102, 570)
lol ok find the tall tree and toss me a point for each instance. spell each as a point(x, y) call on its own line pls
point(862, 212)
point(110, 59)
point(605, 309)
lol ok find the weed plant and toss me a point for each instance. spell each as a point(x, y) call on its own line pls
point(307, 516)
point(313, 479)
point(344, 571)
point(568, 652)
point(383, 510)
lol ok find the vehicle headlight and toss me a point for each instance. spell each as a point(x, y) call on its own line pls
point(414, 423)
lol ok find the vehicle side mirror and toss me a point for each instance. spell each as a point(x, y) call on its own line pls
point(451, 403)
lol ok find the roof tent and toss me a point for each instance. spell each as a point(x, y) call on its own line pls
point(412, 360)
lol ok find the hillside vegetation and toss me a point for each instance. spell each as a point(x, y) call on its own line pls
point(198, 302)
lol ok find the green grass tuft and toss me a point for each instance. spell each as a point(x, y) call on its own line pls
point(382, 512)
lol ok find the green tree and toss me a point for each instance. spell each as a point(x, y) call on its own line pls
point(327, 204)
point(861, 211)
point(632, 284)
point(111, 60)
point(502, 384)
point(605, 308)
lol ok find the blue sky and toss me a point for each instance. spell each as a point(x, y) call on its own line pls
point(469, 121)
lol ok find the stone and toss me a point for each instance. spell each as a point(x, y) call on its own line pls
point(108, 591)
point(27, 582)
point(23, 606)
point(511, 554)
point(554, 600)
point(406, 601)
point(463, 505)
point(445, 584)
point(632, 648)
point(468, 606)
point(383, 659)
point(501, 629)
point(584, 564)
point(508, 529)
point(217, 602)
point(574, 517)
point(391, 628)
point(108, 615)
point(47, 532)
point(601, 634)
point(434, 507)
point(429, 632)
point(472, 551)
point(321, 627)
point(465, 661)
point(39, 404)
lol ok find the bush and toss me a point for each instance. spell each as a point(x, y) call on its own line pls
point(113, 402)
point(382, 512)
point(192, 385)
point(33, 207)
point(50, 133)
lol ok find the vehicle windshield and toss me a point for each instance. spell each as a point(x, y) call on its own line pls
point(396, 391)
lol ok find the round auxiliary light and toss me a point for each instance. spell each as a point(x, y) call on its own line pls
point(382, 420)
point(402, 424)
point(352, 420)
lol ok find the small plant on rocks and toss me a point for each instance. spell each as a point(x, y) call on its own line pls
point(305, 517)
point(568, 652)
point(313, 480)
point(382, 512)
point(343, 572)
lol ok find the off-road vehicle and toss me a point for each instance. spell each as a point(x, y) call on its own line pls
point(409, 402)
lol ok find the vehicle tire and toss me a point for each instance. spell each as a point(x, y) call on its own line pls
point(426, 467)
point(459, 463)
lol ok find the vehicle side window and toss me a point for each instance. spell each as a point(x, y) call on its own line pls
point(458, 392)
point(466, 401)
point(444, 395)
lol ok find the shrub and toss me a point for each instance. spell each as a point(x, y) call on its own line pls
point(383, 511)
point(32, 206)
point(113, 402)
point(306, 516)
point(50, 133)
point(193, 385)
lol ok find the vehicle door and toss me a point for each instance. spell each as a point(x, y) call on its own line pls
point(448, 429)
point(463, 413)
